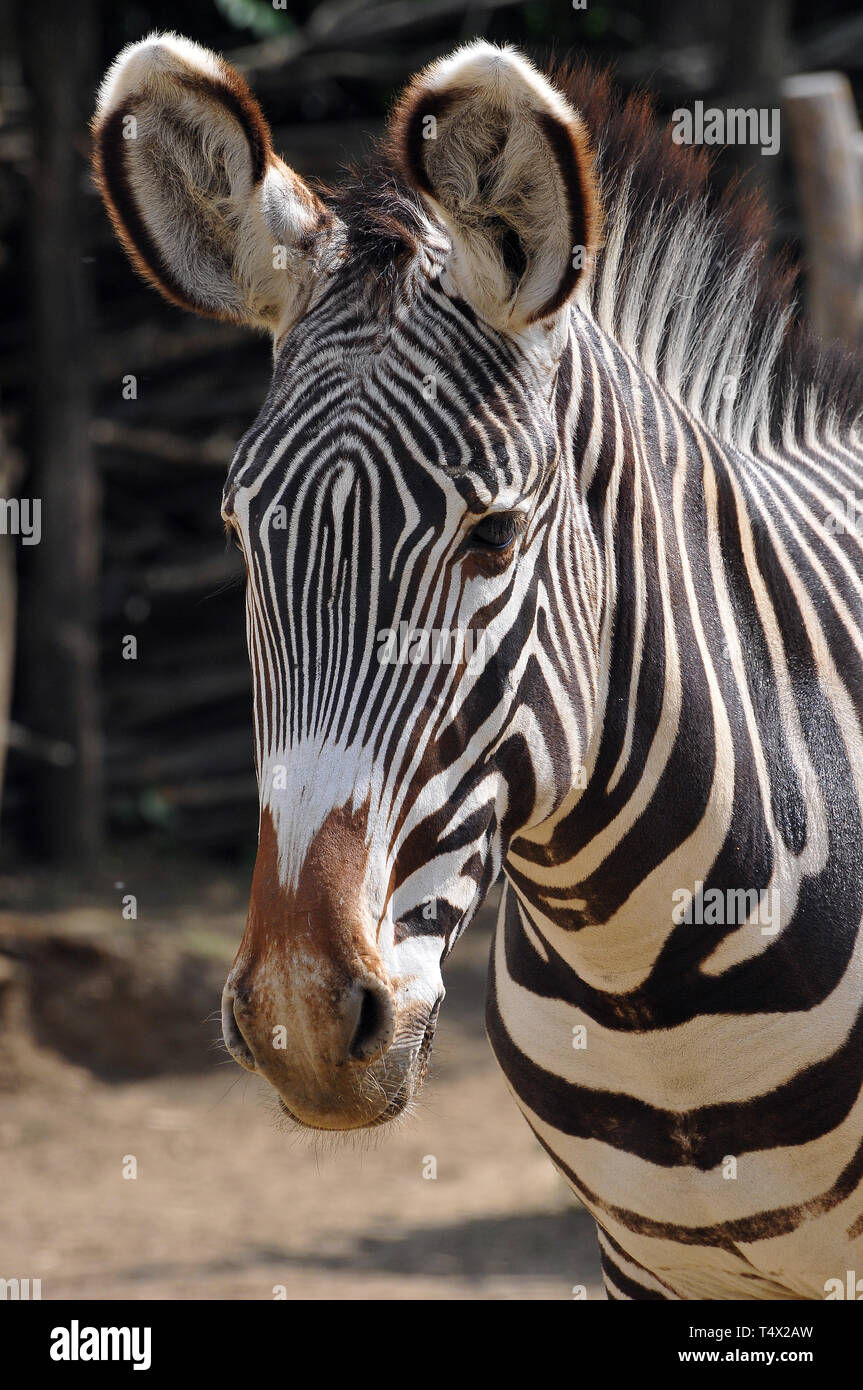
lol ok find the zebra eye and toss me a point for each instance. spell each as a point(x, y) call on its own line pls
point(495, 532)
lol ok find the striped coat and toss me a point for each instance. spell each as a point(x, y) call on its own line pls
point(536, 387)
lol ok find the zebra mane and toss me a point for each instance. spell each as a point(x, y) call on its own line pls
point(685, 284)
point(684, 281)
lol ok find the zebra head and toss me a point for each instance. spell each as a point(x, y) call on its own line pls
point(407, 529)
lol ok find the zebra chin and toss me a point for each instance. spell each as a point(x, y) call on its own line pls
point(384, 1093)
point(363, 1090)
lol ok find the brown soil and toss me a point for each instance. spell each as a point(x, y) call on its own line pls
point(109, 1049)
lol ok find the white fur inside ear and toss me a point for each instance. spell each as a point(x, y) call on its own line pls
point(230, 229)
point(505, 160)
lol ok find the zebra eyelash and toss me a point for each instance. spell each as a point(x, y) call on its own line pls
point(496, 532)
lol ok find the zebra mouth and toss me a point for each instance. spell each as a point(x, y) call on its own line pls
point(417, 1074)
point(410, 1085)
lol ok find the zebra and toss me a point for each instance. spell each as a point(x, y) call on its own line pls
point(534, 380)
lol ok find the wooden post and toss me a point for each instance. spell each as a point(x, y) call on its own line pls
point(58, 634)
point(755, 40)
point(825, 138)
point(7, 608)
point(10, 466)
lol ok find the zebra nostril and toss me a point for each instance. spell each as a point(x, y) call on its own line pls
point(374, 1026)
point(233, 1035)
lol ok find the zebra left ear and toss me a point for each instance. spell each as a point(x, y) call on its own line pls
point(206, 211)
point(505, 161)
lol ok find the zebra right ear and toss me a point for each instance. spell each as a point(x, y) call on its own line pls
point(506, 163)
point(206, 211)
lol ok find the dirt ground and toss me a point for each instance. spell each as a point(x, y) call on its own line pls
point(109, 1060)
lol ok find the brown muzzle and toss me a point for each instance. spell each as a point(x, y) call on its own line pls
point(308, 1003)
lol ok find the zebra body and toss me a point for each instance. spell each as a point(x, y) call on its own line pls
point(600, 453)
point(719, 1079)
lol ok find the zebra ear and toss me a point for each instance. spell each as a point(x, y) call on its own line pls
point(206, 211)
point(506, 163)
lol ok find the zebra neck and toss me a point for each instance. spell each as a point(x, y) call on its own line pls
point(688, 769)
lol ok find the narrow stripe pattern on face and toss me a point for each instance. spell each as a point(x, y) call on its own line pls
point(352, 500)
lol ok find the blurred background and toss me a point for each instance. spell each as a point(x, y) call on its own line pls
point(128, 810)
